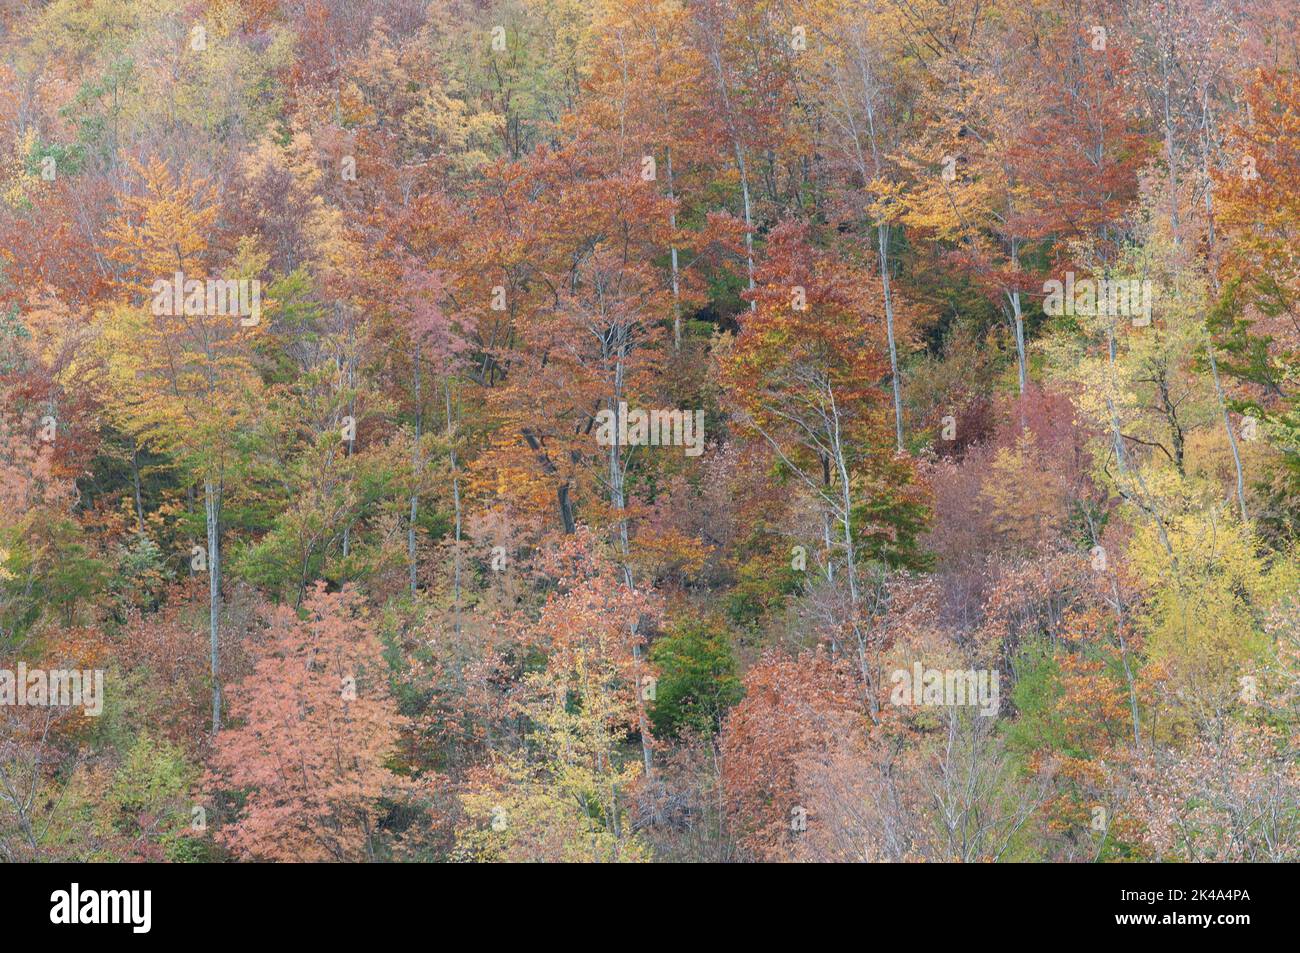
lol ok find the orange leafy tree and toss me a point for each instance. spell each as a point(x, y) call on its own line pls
point(309, 762)
point(805, 376)
point(793, 709)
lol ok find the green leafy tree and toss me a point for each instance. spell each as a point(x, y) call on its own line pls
point(697, 681)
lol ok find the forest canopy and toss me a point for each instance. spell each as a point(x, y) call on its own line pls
point(649, 430)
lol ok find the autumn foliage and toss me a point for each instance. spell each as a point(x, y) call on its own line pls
point(650, 430)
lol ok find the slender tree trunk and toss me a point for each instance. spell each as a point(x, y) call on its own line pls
point(749, 221)
point(1019, 319)
point(352, 409)
point(715, 54)
point(1214, 283)
point(882, 236)
point(566, 509)
point(1227, 426)
point(1123, 655)
point(455, 497)
point(135, 480)
point(1021, 370)
point(1020, 341)
point(617, 481)
point(677, 292)
point(1117, 604)
point(212, 512)
point(861, 636)
point(415, 479)
point(1171, 157)
point(829, 545)
point(882, 232)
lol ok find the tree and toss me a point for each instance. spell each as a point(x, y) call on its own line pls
point(803, 377)
point(697, 683)
point(184, 378)
point(571, 799)
point(308, 763)
point(1255, 326)
point(793, 709)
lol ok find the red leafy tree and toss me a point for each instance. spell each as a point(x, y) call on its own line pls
point(794, 708)
point(316, 727)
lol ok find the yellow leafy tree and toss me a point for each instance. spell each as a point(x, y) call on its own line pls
point(1207, 603)
point(181, 378)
